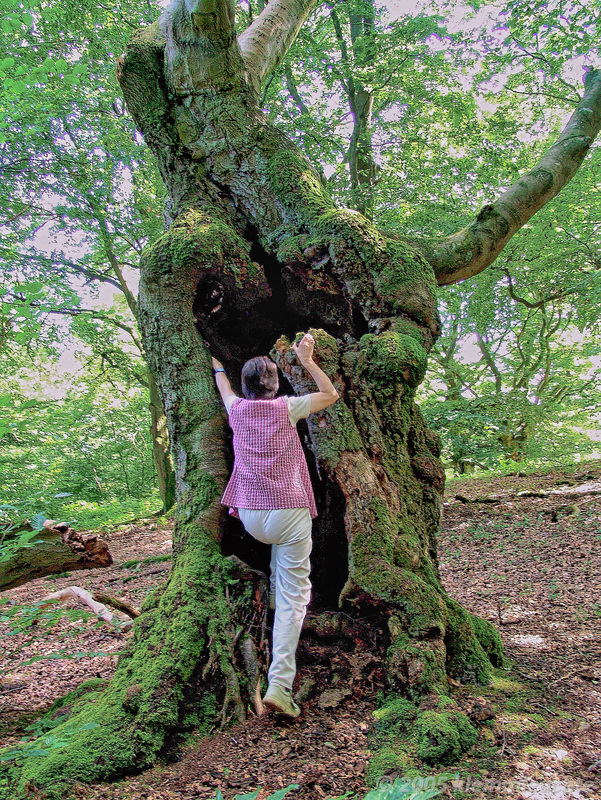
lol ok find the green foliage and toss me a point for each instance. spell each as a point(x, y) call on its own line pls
point(25, 540)
point(515, 374)
point(278, 795)
point(34, 620)
point(399, 789)
point(43, 745)
point(22, 618)
point(405, 789)
point(84, 456)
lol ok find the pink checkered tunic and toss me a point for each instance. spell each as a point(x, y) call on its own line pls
point(270, 469)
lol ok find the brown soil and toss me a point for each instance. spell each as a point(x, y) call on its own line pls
point(537, 579)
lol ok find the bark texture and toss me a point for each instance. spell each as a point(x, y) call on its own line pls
point(254, 252)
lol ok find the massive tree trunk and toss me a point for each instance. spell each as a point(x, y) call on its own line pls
point(256, 251)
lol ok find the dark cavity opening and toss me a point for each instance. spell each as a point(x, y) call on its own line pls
point(238, 325)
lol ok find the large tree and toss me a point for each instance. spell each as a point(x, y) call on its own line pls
point(255, 250)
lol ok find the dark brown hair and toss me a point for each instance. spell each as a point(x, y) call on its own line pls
point(259, 379)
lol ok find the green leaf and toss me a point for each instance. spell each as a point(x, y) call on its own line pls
point(38, 521)
point(282, 792)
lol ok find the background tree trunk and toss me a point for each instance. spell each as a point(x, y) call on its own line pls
point(160, 445)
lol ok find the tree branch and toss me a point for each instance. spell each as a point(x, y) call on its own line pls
point(72, 266)
point(558, 295)
point(265, 43)
point(293, 90)
point(468, 252)
point(76, 312)
point(490, 363)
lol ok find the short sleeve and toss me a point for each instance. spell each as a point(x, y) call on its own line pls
point(230, 402)
point(298, 407)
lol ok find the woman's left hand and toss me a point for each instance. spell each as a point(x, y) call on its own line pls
point(216, 364)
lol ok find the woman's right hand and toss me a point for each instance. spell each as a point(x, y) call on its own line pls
point(304, 349)
point(216, 364)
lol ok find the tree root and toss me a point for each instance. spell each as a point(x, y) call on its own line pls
point(232, 694)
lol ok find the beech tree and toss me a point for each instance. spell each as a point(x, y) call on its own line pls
point(255, 250)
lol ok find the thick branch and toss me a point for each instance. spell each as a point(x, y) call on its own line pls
point(476, 247)
point(265, 43)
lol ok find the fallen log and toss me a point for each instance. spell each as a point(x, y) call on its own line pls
point(54, 549)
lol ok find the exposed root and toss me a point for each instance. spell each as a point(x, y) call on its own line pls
point(251, 665)
point(232, 694)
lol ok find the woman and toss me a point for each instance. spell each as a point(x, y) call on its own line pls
point(270, 491)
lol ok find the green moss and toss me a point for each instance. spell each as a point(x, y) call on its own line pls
point(297, 184)
point(387, 761)
point(502, 684)
point(407, 281)
point(71, 703)
point(200, 240)
point(444, 735)
point(390, 356)
point(202, 715)
point(291, 245)
point(416, 666)
point(489, 639)
point(394, 719)
point(423, 607)
point(125, 728)
point(340, 435)
point(407, 551)
point(466, 659)
point(407, 327)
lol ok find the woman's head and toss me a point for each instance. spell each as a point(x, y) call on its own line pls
point(259, 379)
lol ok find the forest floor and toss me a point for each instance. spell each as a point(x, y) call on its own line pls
point(524, 552)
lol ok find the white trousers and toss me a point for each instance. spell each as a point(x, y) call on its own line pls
point(288, 531)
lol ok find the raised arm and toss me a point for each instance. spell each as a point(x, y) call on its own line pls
point(222, 381)
point(327, 394)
